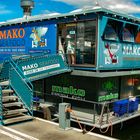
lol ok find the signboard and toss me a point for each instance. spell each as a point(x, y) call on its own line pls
point(109, 89)
point(75, 87)
point(27, 38)
point(119, 55)
point(42, 66)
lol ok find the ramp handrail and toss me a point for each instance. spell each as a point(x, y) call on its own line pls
point(12, 63)
point(22, 85)
point(1, 106)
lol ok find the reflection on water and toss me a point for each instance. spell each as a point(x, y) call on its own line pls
point(129, 130)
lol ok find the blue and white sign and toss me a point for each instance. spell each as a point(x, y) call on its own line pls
point(119, 55)
point(28, 37)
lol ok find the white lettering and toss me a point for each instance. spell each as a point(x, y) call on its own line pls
point(131, 50)
point(29, 67)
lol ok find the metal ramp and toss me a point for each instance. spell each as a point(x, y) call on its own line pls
point(16, 95)
point(15, 99)
point(16, 89)
point(38, 67)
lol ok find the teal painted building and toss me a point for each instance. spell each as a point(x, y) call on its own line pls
point(104, 59)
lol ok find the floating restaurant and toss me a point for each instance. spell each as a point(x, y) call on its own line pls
point(89, 58)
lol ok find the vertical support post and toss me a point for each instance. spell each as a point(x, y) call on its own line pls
point(94, 113)
point(107, 116)
point(1, 107)
point(64, 116)
point(128, 108)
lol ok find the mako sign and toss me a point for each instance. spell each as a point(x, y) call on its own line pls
point(44, 66)
point(131, 50)
point(13, 33)
point(108, 97)
point(34, 68)
point(29, 38)
point(68, 90)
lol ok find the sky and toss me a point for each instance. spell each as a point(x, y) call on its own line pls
point(10, 9)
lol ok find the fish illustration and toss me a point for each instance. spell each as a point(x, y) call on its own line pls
point(37, 34)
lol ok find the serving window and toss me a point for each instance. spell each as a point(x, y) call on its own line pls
point(78, 42)
point(128, 33)
point(110, 33)
point(120, 31)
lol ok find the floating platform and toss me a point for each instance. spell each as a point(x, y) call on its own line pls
point(107, 120)
point(87, 117)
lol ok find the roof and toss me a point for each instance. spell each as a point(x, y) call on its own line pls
point(74, 13)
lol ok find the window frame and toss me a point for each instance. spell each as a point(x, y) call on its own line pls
point(96, 40)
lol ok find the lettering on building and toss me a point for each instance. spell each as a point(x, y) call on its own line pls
point(68, 90)
point(108, 97)
point(14, 33)
point(29, 67)
point(131, 50)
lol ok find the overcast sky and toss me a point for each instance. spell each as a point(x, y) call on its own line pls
point(10, 9)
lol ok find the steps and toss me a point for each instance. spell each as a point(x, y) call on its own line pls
point(4, 83)
point(18, 119)
point(9, 98)
point(16, 92)
point(13, 109)
point(7, 91)
point(16, 111)
point(12, 104)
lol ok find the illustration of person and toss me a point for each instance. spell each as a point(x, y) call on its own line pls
point(70, 49)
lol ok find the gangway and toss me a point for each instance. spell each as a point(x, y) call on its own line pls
point(16, 89)
point(37, 67)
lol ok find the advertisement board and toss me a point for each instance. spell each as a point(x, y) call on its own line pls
point(42, 66)
point(117, 55)
point(78, 88)
point(27, 38)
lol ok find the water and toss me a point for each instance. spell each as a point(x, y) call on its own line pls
point(129, 130)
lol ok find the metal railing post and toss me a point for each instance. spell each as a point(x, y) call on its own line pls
point(94, 111)
point(107, 116)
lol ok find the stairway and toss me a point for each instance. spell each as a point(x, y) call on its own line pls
point(16, 90)
point(13, 109)
point(16, 95)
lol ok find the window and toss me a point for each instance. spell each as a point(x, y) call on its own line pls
point(86, 36)
point(127, 35)
point(80, 42)
point(110, 33)
point(137, 39)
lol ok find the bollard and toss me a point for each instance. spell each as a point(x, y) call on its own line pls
point(64, 116)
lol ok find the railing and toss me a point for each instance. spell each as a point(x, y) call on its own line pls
point(1, 106)
point(100, 114)
point(47, 65)
point(38, 58)
point(21, 85)
point(4, 75)
point(64, 58)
